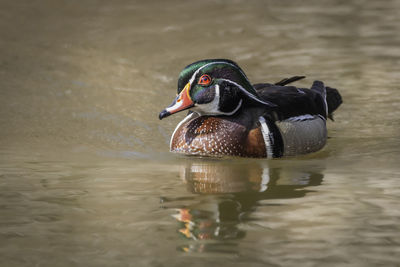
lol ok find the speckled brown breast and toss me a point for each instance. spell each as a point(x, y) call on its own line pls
point(216, 136)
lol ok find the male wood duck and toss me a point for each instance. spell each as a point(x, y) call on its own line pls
point(231, 117)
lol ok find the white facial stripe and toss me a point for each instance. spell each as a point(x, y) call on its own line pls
point(212, 108)
point(212, 63)
point(234, 111)
point(246, 92)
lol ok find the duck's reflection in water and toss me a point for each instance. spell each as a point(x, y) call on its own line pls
point(227, 193)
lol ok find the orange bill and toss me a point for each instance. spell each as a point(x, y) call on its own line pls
point(182, 101)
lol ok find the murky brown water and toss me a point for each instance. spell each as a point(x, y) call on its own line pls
point(85, 174)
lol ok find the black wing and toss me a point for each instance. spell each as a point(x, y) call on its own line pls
point(292, 101)
point(289, 80)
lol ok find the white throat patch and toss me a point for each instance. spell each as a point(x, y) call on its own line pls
point(212, 108)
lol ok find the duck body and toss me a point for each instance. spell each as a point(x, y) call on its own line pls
point(231, 117)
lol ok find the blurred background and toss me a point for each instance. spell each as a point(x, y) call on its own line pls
point(85, 173)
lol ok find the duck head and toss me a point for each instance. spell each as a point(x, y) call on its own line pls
point(213, 87)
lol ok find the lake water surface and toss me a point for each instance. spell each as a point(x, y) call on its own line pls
point(86, 178)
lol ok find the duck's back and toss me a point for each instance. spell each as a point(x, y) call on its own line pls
point(301, 114)
point(292, 101)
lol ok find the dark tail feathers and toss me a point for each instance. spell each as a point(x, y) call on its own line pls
point(333, 99)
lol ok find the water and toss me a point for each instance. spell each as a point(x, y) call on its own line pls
point(85, 174)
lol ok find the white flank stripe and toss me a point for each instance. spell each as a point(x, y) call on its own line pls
point(326, 103)
point(265, 133)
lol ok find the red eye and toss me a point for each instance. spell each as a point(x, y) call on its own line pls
point(205, 80)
